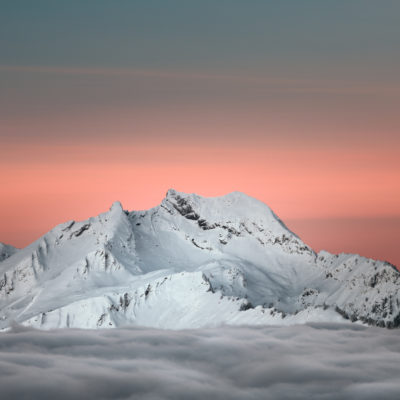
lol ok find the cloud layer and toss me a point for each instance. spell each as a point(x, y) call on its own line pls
point(312, 361)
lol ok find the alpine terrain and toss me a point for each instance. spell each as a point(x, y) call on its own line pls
point(189, 262)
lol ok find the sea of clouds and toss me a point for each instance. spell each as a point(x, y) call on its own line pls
point(317, 361)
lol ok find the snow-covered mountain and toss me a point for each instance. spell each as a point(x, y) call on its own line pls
point(190, 262)
point(6, 251)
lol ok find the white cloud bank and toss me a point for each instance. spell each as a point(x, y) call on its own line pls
point(318, 361)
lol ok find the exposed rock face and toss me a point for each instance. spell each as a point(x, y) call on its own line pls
point(190, 262)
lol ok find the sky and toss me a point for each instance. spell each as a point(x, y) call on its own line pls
point(293, 102)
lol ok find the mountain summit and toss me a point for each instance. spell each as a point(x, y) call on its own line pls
point(190, 262)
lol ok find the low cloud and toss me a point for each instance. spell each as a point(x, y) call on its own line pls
point(329, 361)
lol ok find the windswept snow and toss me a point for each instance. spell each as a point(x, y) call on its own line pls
point(190, 262)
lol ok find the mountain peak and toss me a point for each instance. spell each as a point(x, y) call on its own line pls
point(171, 193)
point(235, 207)
point(116, 206)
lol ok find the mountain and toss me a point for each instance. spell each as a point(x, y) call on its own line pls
point(190, 262)
point(6, 251)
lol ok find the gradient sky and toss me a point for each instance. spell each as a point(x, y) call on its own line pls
point(293, 102)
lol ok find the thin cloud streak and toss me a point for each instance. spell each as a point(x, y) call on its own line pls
point(278, 85)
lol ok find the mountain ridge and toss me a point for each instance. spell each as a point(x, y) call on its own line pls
point(190, 262)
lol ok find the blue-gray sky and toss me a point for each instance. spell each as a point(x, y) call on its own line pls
point(309, 38)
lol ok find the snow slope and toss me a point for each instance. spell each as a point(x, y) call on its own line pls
point(190, 262)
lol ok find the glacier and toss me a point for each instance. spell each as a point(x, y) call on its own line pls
point(191, 262)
